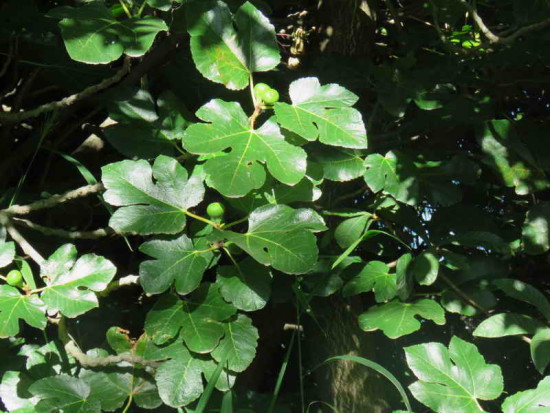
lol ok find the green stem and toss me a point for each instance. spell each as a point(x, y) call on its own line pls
point(130, 399)
point(199, 218)
point(281, 374)
point(252, 91)
point(38, 290)
point(207, 250)
point(125, 8)
point(235, 263)
point(143, 5)
point(300, 371)
point(225, 226)
point(181, 151)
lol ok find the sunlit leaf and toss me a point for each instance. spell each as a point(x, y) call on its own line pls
point(529, 401)
point(397, 319)
point(281, 237)
point(15, 306)
point(177, 261)
point(92, 35)
point(71, 283)
point(323, 113)
point(242, 170)
point(228, 49)
point(453, 379)
point(148, 207)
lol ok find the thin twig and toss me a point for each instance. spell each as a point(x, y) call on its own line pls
point(354, 194)
point(56, 232)
point(121, 282)
point(463, 295)
point(87, 361)
point(492, 37)
point(23, 243)
point(54, 200)
point(69, 100)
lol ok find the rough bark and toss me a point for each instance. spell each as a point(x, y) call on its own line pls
point(346, 26)
point(348, 386)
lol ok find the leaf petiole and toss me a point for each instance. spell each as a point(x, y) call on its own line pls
point(235, 263)
point(252, 94)
point(231, 224)
point(199, 218)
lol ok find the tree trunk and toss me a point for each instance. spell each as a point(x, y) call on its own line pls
point(346, 26)
point(346, 385)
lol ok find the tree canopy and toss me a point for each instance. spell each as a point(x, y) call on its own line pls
point(176, 172)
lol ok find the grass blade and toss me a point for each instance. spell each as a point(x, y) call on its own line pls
point(212, 380)
point(367, 235)
point(330, 406)
point(227, 403)
point(378, 368)
point(281, 374)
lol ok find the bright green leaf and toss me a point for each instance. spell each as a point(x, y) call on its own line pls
point(92, 35)
point(228, 49)
point(64, 393)
point(7, 253)
point(71, 283)
point(196, 318)
point(247, 286)
point(242, 170)
point(14, 307)
point(453, 380)
point(323, 113)
point(352, 229)
point(540, 349)
point(239, 343)
point(426, 268)
point(178, 260)
point(398, 319)
point(10, 394)
point(529, 401)
point(339, 164)
point(507, 324)
point(148, 207)
point(385, 173)
point(374, 276)
point(281, 237)
point(179, 381)
point(118, 340)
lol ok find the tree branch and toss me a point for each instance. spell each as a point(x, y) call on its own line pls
point(121, 282)
point(19, 239)
point(87, 361)
point(495, 39)
point(53, 200)
point(56, 232)
point(13, 117)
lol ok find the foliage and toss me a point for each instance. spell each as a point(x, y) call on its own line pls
point(411, 183)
